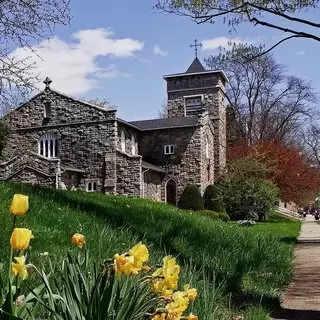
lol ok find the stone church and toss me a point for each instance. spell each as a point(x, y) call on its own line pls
point(58, 141)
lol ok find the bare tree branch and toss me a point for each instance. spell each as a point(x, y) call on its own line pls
point(256, 12)
point(21, 23)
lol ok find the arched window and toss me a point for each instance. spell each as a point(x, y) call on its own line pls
point(133, 145)
point(123, 141)
point(48, 146)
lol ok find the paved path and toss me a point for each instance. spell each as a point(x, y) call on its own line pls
point(302, 298)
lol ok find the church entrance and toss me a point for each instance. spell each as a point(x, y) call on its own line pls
point(171, 192)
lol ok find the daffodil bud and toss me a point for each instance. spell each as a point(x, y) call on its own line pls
point(78, 239)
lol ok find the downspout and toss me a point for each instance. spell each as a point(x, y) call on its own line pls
point(58, 172)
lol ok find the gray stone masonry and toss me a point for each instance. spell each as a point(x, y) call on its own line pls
point(211, 88)
point(129, 174)
point(98, 152)
point(83, 141)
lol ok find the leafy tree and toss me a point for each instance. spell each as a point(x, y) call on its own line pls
point(20, 23)
point(247, 192)
point(289, 169)
point(213, 198)
point(190, 198)
point(265, 103)
point(285, 16)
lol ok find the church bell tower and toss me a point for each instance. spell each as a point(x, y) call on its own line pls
point(198, 90)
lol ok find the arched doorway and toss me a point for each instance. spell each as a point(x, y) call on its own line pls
point(171, 192)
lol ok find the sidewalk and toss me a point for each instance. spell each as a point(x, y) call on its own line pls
point(301, 300)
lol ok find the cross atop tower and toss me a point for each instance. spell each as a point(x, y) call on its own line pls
point(195, 46)
point(47, 81)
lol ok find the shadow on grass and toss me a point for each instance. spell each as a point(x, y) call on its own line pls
point(287, 314)
point(288, 240)
point(267, 302)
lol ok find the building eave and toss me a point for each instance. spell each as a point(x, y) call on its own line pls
point(196, 73)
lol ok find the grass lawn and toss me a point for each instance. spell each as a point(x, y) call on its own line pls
point(221, 259)
point(277, 225)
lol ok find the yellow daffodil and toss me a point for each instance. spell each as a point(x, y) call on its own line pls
point(132, 262)
point(190, 292)
point(19, 269)
point(192, 317)
point(140, 255)
point(165, 279)
point(79, 240)
point(162, 316)
point(123, 265)
point(19, 205)
point(20, 238)
point(178, 305)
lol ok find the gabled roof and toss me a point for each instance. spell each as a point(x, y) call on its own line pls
point(195, 67)
point(165, 123)
point(64, 95)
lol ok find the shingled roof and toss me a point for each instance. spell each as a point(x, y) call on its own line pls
point(195, 67)
point(165, 123)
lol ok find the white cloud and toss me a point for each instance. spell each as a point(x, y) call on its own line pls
point(158, 51)
point(223, 42)
point(300, 53)
point(73, 65)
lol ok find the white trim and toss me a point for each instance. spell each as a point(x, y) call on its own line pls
point(123, 141)
point(201, 96)
point(93, 183)
point(170, 147)
point(49, 142)
point(133, 145)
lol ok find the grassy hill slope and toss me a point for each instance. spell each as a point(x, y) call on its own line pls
point(247, 262)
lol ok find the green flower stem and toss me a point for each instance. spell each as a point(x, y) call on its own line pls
point(10, 284)
point(12, 307)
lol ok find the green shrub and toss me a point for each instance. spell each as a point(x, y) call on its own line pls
point(191, 198)
point(213, 198)
point(209, 213)
point(224, 216)
point(214, 215)
point(247, 194)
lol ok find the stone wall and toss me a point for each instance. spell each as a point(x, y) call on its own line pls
point(42, 165)
point(29, 175)
point(128, 174)
point(152, 185)
point(185, 164)
point(63, 111)
point(208, 162)
point(82, 142)
point(212, 89)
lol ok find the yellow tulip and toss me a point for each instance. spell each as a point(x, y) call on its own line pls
point(78, 239)
point(20, 238)
point(19, 205)
point(19, 269)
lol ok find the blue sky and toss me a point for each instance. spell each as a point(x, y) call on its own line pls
point(120, 49)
